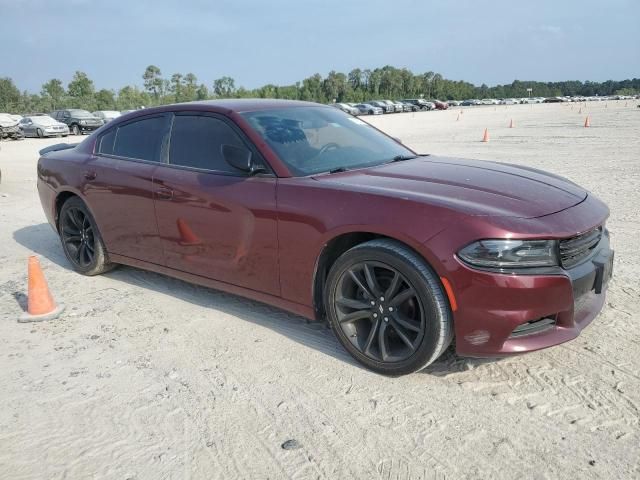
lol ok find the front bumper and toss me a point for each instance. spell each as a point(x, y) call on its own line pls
point(505, 314)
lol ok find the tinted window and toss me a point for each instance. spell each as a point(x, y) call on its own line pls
point(196, 142)
point(106, 142)
point(141, 139)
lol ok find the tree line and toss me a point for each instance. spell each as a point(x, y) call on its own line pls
point(356, 86)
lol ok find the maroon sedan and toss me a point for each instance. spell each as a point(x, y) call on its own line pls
point(306, 208)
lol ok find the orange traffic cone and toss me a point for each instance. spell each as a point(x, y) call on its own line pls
point(511, 125)
point(587, 122)
point(485, 137)
point(187, 237)
point(41, 305)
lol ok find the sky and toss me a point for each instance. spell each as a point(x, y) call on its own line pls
point(283, 41)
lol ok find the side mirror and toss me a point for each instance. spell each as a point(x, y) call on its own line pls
point(240, 158)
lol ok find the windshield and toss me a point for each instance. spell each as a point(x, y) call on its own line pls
point(80, 114)
point(318, 139)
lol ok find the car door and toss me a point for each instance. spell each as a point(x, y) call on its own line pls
point(214, 220)
point(119, 186)
point(26, 124)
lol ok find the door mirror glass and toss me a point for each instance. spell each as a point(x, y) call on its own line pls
point(238, 157)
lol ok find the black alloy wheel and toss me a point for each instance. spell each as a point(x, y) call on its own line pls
point(78, 238)
point(81, 240)
point(379, 311)
point(387, 307)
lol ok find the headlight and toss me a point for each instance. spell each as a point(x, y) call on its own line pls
point(511, 253)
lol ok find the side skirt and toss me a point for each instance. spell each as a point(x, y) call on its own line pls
point(296, 308)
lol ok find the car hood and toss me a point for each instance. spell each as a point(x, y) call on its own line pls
point(7, 122)
point(472, 186)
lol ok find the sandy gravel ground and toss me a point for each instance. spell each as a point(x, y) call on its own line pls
point(146, 377)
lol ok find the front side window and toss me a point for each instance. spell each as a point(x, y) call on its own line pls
point(196, 142)
point(311, 140)
point(141, 139)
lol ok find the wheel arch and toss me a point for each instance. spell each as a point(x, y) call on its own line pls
point(340, 243)
point(62, 196)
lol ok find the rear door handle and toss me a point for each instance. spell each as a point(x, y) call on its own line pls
point(90, 175)
point(164, 194)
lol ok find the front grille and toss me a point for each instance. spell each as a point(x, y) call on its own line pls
point(575, 249)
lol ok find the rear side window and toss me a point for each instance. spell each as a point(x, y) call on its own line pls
point(141, 139)
point(196, 141)
point(106, 142)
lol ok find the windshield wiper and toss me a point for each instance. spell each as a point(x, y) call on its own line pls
point(400, 158)
point(338, 170)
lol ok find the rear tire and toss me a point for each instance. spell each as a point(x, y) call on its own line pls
point(81, 240)
point(388, 308)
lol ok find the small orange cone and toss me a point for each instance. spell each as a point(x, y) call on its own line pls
point(41, 305)
point(511, 125)
point(587, 122)
point(485, 137)
point(187, 237)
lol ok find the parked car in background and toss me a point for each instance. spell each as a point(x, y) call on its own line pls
point(9, 127)
point(43, 126)
point(421, 103)
point(346, 108)
point(368, 109)
point(401, 106)
point(553, 100)
point(386, 108)
point(439, 105)
point(410, 107)
point(106, 115)
point(78, 121)
point(395, 108)
point(454, 103)
point(306, 208)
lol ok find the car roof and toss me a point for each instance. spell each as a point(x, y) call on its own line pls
point(249, 104)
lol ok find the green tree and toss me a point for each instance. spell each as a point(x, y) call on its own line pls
point(81, 91)
point(53, 94)
point(9, 95)
point(105, 100)
point(153, 82)
point(224, 87)
point(176, 87)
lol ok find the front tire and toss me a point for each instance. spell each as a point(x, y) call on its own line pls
point(388, 308)
point(39, 133)
point(81, 240)
point(75, 130)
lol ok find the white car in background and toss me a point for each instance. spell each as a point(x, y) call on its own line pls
point(43, 126)
point(106, 115)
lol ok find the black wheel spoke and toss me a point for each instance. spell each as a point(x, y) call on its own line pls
point(393, 286)
point(402, 333)
point(372, 281)
point(402, 297)
point(352, 303)
point(405, 322)
point(76, 238)
point(357, 315)
point(371, 337)
point(360, 284)
point(382, 341)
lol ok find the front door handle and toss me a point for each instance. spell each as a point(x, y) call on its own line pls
point(164, 194)
point(90, 175)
